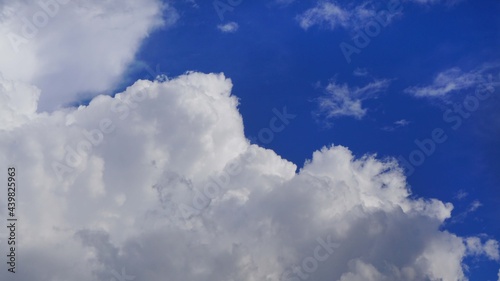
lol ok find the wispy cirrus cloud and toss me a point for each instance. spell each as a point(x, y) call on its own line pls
point(360, 72)
point(332, 15)
point(461, 194)
point(431, 2)
point(455, 80)
point(476, 204)
point(396, 125)
point(342, 100)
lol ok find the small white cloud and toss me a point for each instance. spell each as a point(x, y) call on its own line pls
point(324, 13)
point(332, 15)
point(455, 80)
point(402, 122)
point(228, 27)
point(491, 249)
point(342, 100)
point(446, 82)
point(396, 125)
point(360, 72)
point(461, 194)
point(430, 2)
point(474, 206)
point(476, 248)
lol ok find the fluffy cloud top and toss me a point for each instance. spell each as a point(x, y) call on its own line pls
point(74, 47)
point(160, 182)
point(18, 103)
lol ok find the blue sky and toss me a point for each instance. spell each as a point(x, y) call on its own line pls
point(422, 90)
point(273, 62)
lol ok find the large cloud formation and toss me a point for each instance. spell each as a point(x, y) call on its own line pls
point(74, 48)
point(160, 183)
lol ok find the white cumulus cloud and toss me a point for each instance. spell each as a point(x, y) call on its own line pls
point(71, 49)
point(160, 182)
